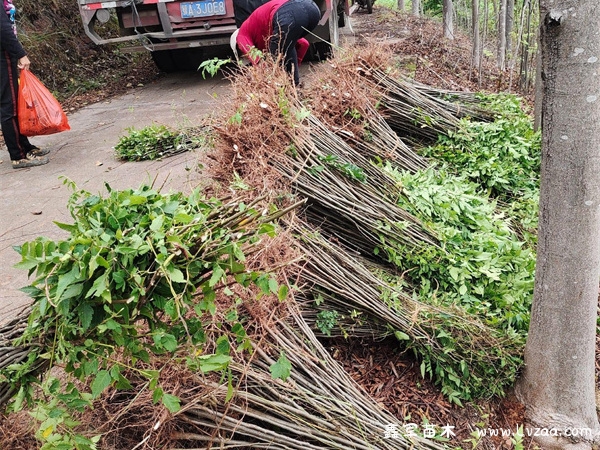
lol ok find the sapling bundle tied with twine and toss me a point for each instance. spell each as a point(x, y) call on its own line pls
point(456, 349)
point(124, 282)
point(353, 201)
point(344, 92)
point(313, 404)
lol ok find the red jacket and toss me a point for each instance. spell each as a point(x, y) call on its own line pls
point(257, 29)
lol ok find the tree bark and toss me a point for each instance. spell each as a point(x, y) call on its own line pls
point(448, 24)
point(416, 8)
point(476, 44)
point(558, 384)
point(510, 20)
point(537, 104)
point(524, 48)
point(501, 57)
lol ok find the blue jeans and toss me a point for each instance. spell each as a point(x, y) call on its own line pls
point(292, 21)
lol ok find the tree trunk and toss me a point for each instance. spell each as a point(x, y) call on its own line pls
point(502, 35)
point(538, 94)
point(532, 40)
point(448, 13)
point(558, 384)
point(401, 5)
point(416, 8)
point(476, 44)
point(510, 20)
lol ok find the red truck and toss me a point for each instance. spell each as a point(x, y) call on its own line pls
point(179, 34)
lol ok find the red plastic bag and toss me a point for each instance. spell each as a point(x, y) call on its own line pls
point(38, 111)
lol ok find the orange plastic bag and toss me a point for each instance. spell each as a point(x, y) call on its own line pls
point(38, 111)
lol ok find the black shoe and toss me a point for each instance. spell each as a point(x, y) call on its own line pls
point(30, 161)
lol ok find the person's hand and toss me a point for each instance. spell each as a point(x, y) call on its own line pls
point(24, 63)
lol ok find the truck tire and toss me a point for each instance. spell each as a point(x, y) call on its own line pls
point(163, 60)
point(341, 19)
point(180, 60)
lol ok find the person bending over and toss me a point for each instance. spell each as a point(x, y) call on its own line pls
point(279, 26)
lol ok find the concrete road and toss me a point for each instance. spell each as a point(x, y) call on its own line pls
point(33, 198)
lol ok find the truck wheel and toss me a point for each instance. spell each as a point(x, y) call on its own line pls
point(163, 60)
point(180, 60)
point(341, 13)
point(323, 50)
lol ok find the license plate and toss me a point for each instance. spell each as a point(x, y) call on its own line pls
point(205, 8)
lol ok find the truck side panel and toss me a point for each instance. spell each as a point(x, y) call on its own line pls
point(174, 24)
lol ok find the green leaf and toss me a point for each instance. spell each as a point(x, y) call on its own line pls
point(176, 275)
point(100, 383)
point(90, 367)
point(268, 229)
point(166, 341)
point(171, 309)
point(171, 402)
point(98, 288)
point(282, 368)
point(453, 273)
point(123, 383)
point(157, 223)
point(230, 390)
point(86, 313)
point(283, 292)
point(263, 283)
point(65, 226)
point(211, 363)
point(302, 114)
point(157, 395)
point(26, 264)
point(223, 346)
point(401, 336)
point(137, 200)
point(273, 286)
point(218, 273)
point(65, 280)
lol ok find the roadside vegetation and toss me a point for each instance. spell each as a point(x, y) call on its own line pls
point(365, 211)
point(192, 319)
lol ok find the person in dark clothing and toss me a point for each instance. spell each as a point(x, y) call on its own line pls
point(12, 58)
point(279, 26)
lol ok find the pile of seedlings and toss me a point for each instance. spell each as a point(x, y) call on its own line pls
point(157, 141)
point(433, 239)
point(163, 321)
point(195, 322)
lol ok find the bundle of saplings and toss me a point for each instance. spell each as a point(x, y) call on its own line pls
point(137, 278)
point(435, 235)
